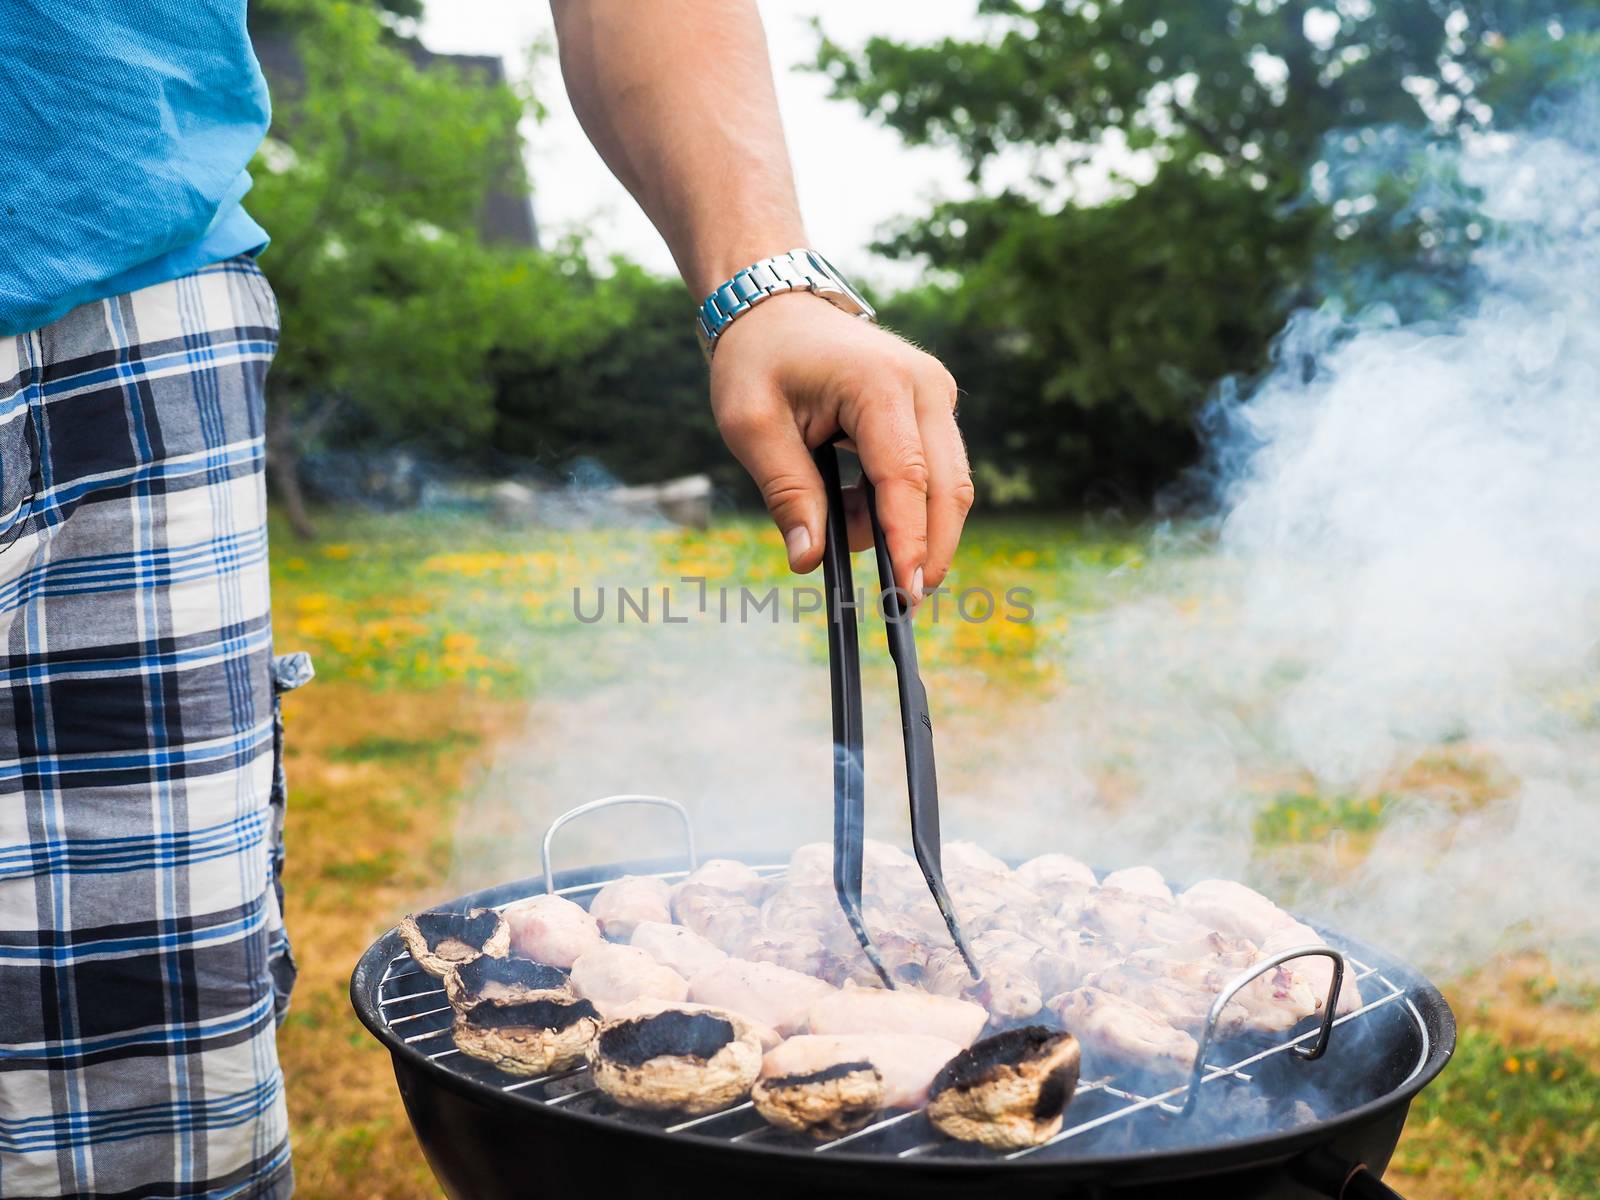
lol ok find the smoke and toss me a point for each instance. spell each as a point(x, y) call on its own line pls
point(1384, 629)
point(1392, 609)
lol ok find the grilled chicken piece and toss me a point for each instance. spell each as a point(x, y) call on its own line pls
point(1280, 1000)
point(1008, 992)
point(794, 951)
point(1314, 971)
point(992, 901)
point(877, 1010)
point(1235, 909)
point(1008, 1091)
point(1246, 913)
point(723, 918)
point(1218, 951)
point(1054, 969)
point(1130, 919)
point(962, 860)
point(610, 975)
point(1181, 1002)
point(675, 946)
point(889, 874)
point(796, 909)
point(821, 1104)
point(1141, 881)
point(1067, 902)
point(1018, 974)
point(646, 1006)
point(1048, 872)
point(487, 980)
point(551, 929)
point(676, 1060)
point(624, 903)
point(905, 958)
point(1119, 1033)
point(760, 992)
point(726, 875)
point(906, 1061)
point(1273, 1003)
point(810, 866)
point(527, 1039)
point(441, 941)
point(892, 877)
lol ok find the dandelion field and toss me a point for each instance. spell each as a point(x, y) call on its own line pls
point(432, 635)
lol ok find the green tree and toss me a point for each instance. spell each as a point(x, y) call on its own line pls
point(1088, 328)
point(629, 396)
point(371, 184)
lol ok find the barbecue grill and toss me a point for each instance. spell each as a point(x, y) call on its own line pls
point(488, 1135)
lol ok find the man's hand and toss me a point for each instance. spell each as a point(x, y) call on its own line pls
point(794, 370)
point(677, 96)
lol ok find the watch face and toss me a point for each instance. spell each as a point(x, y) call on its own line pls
point(856, 299)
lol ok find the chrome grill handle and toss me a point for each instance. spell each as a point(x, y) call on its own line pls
point(581, 810)
point(1236, 985)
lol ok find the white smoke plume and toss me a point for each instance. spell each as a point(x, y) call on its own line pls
point(1399, 597)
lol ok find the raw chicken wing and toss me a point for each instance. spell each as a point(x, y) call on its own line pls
point(876, 1010)
point(1119, 1032)
point(675, 946)
point(1141, 881)
point(551, 929)
point(1233, 908)
point(764, 993)
point(612, 975)
point(624, 903)
point(1049, 871)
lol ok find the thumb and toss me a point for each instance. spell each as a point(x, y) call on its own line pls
point(768, 443)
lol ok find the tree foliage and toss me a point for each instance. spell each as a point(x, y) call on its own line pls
point(371, 184)
point(401, 326)
point(1088, 328)
point(630, 399)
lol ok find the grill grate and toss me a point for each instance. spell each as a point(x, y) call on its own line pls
point(413, 1006)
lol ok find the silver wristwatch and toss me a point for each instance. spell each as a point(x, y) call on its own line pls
point(798, 270)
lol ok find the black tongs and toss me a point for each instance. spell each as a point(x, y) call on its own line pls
point(844, 667)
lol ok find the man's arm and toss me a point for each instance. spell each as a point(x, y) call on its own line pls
point(677, 96)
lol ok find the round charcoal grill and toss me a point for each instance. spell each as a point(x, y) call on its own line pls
point(489, 1135)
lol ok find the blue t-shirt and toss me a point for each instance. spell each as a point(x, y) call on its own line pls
point(125, 130)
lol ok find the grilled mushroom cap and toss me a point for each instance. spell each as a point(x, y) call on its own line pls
point(486, 980)
point(527, 1039)
point(823, 1104)
point(676, 1060)
point(441, 941)
point(1007, 1091)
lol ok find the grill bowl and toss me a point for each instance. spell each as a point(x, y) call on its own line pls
point(484, 1142)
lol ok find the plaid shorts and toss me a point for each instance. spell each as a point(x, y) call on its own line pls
point(138, 921)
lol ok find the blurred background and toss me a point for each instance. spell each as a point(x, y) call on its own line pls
point(1266, 315)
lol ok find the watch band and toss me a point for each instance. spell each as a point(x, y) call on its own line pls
point(798, 270)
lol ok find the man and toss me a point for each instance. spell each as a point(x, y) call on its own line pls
point(139, 931)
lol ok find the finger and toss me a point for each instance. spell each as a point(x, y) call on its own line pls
point(950, 492)
point(883, 425)
point(763, 436)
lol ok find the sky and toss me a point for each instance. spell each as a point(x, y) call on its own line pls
point(852, 175)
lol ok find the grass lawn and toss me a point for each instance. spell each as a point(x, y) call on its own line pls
point(436, 637)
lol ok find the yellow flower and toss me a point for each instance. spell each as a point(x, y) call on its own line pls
point(1512, 1064)
point(337, 550)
